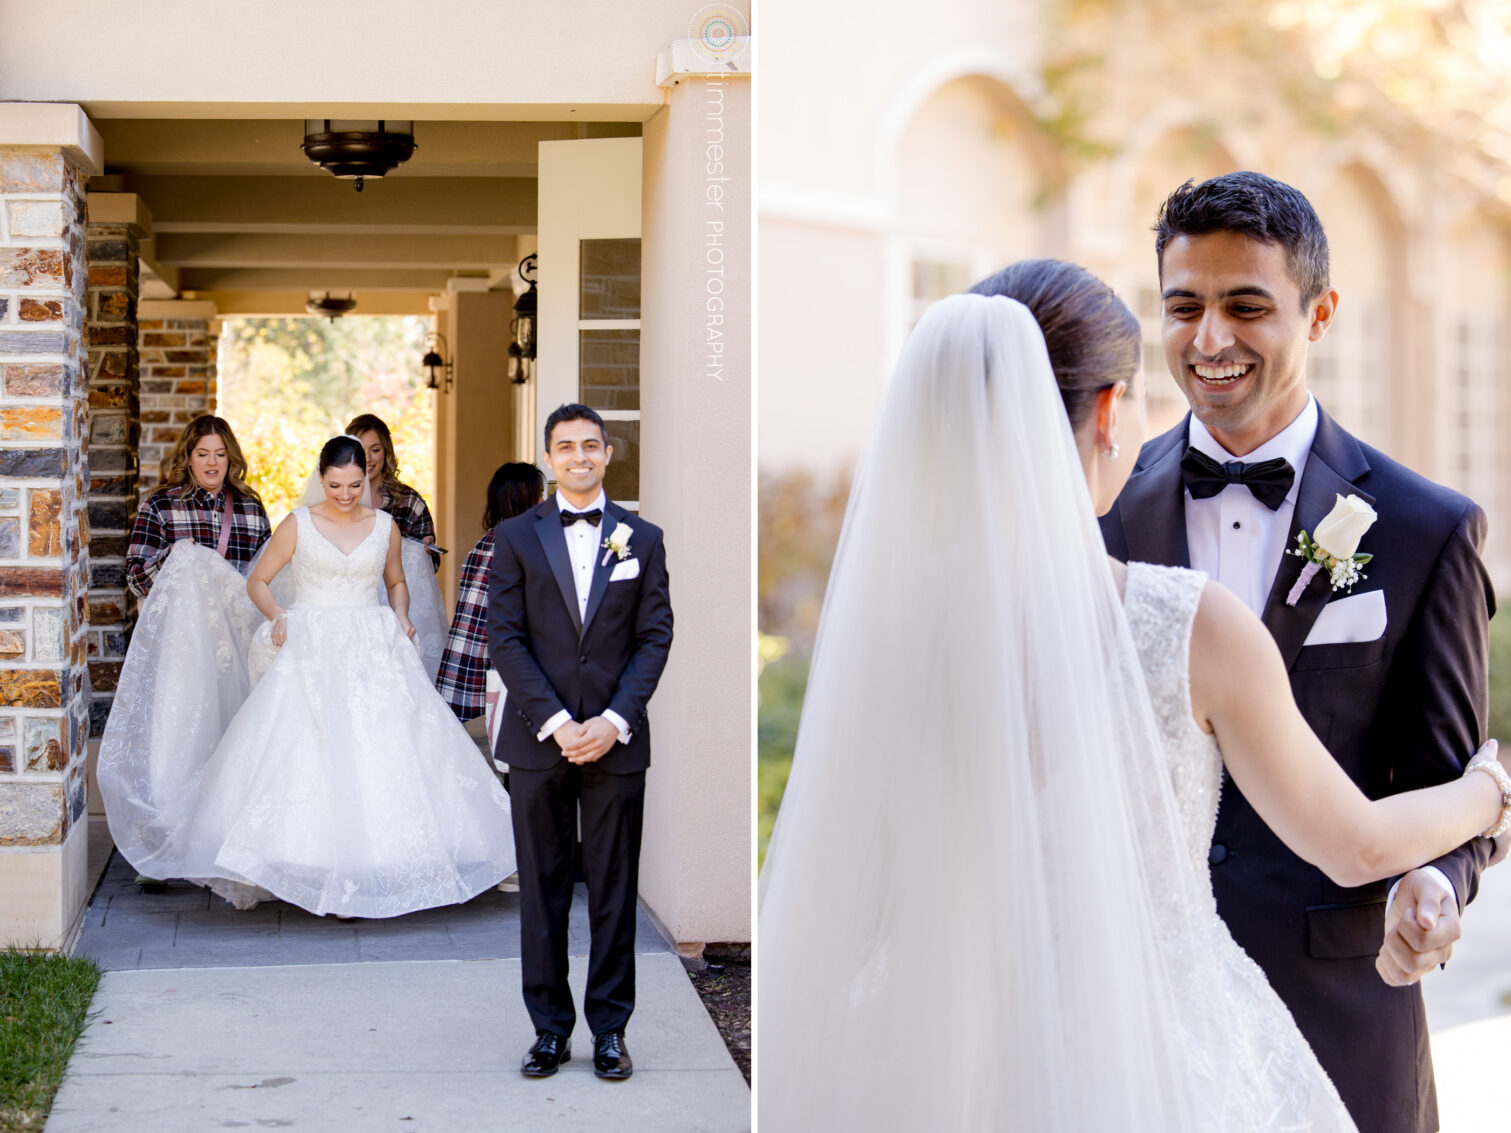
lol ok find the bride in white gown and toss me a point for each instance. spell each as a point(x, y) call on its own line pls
point(986, 902)
point(341, 781)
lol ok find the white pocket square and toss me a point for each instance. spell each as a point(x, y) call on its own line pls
point(1357, 617)
point(630, 568)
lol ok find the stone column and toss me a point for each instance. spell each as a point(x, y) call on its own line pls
point(696, 484)
point(46, 153)
point(177, 349)
point(117, 224)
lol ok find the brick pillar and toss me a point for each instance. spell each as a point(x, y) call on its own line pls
point(178, 351)
point(44, 561)
point(113, 409)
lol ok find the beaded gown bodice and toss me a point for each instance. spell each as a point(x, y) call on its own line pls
point(325, 576)
point(1273, 1081)
point(1161, 607)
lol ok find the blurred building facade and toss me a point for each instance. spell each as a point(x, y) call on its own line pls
point(896, 182)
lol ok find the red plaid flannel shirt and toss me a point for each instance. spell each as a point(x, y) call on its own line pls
point(408, 509)
point(463, 678)
point(167, 516)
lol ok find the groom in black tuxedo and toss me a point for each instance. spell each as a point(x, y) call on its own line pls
point(579, 627)
point(1392, 676)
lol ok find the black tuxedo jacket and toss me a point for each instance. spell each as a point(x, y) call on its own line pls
point(551, 660)
point(1403, 711)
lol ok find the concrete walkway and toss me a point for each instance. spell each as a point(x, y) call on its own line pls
point(422, 1047)
point(1469, 1013)
point(210, 1019)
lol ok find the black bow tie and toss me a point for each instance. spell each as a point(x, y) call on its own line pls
point(1269, 480)
point(570, 517)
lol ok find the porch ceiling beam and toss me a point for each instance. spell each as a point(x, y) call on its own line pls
point(223, 250)
point(270, 146)
point(313, 279)
point(495, 202)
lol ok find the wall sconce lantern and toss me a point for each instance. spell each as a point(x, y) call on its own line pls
point(355, 148)
point(522, 349)
point(436, 362)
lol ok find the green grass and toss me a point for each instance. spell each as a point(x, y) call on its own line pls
point(782, 684)
point(44, 1000)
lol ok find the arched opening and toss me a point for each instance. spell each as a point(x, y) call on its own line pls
point(1182, 154)
point(973, 186)
point(1355, 371)
point(1470, 401)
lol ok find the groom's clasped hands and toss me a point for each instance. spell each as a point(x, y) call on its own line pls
point(587, 742)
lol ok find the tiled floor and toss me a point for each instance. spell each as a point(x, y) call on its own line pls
point(188, 927)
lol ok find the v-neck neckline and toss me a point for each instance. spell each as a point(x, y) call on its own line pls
point(332, 543)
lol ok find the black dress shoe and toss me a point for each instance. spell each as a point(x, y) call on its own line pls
point(549, 1052)
point(610, 1059)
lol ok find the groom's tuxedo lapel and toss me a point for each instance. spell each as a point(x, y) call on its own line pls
point(1335, 464)
point(604, 565)
point(553, 541)
point(1153, 508)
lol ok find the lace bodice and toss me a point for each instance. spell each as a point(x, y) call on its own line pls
point(324, 576)
point(1273, 1081)
point(1161, 606)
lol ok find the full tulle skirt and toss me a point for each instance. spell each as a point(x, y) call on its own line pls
point(327, 772)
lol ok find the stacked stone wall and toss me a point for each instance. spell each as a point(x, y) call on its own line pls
point(178, 384)
point(113, 267)
point(44, 475)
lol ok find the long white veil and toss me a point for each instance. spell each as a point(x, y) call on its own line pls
point(976, 902)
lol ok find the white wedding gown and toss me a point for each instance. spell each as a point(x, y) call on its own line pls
point(1275, 1082)
point(336, 779)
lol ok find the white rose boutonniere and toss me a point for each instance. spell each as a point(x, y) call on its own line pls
point(1334, 545)
point(617, 543)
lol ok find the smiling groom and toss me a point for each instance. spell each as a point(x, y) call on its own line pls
point(1391, 674)
point(579, 627)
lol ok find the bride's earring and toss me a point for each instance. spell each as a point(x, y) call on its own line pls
point(1112, 451)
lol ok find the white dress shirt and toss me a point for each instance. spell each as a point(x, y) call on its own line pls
point(1233, 537)
point(1238, 541)
point(583, 542)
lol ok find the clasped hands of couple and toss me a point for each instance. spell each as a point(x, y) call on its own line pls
point(1422, 925)
point(586, 742)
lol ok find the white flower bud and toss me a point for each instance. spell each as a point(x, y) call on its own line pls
point(1345, 525)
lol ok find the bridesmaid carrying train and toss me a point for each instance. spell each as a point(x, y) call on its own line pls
point(204, 499)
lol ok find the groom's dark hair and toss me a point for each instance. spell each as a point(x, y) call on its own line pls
point(1255, 206)
point(572, 411)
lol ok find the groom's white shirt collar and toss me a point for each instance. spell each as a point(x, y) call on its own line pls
point(1294, 443)
point(601, 503)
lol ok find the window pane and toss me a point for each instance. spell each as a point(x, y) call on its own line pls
point(622, 482)
point(609, 279)
point(608, 366)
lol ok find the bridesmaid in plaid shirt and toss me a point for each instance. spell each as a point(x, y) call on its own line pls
point(204, 485)
point(398, 499)
point(464, 666)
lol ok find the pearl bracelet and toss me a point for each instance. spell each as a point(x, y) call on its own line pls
point(1492, 767)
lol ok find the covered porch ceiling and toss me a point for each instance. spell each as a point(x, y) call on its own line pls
point(240, 216)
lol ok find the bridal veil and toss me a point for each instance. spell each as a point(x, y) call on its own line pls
point(978, 911)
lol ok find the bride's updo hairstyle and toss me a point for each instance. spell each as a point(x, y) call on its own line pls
point(1093, 337)
point(340, 452)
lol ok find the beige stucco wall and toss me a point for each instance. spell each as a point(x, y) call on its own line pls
point(497, 59)
point(475, 422)
point(695, 483)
